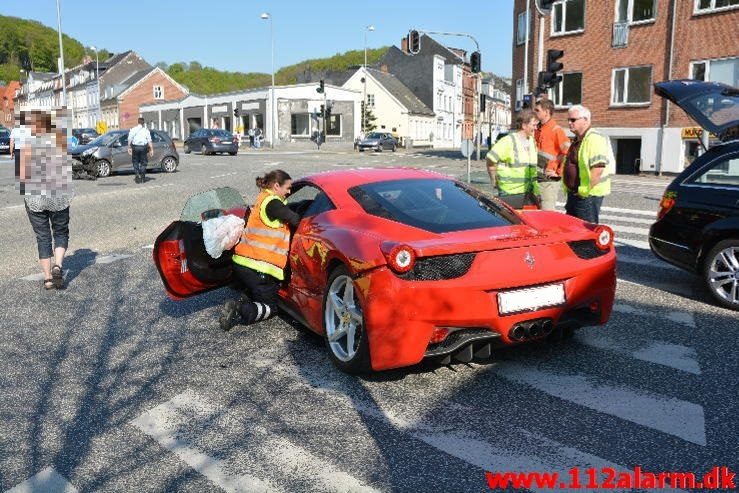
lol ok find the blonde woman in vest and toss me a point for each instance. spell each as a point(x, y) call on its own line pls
point(512, 163)
point(261, 254)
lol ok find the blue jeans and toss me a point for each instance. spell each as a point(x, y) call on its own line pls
point(43, 223)
point(587, 209)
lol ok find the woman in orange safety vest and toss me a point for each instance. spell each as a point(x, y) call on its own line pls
point(261, 254)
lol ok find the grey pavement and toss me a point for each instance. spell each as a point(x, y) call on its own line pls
point(111, 386)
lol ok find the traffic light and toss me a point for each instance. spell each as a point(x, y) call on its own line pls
point(320, 86)
point(236, 112)
point(475, 62)
point(322, 109)
point(483, 98)
point(550, 78)
point(414, 42)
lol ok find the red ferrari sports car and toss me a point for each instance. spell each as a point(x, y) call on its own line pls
point(395, 265)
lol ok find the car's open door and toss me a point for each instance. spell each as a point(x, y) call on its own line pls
point(184, 265)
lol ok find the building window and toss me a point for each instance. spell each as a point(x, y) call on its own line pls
point(568, 17)
point(371, 100)
point(635, 11)
point(703, 6)
point(725, 70)
point(521, 29)
point(569, 91)
point(334, 125)
point(158, 92)
point(300, 124)
point(519, 94)
point(631, 85)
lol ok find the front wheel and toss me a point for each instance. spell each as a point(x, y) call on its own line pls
point(187, 149)
point(721, 273)
point(103, 167)
point(345, 334)
point(394, 148)
point(203, 151)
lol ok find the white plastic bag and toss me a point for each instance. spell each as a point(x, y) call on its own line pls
point(222, 233)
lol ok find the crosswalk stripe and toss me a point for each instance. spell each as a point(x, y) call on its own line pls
point(46, 481)
point(661, 353)
point(637, 212)
point(109, 259)
point(641, 244)
point(669, 415)
point(617, 228)
point(161, 424)
point(632, 220)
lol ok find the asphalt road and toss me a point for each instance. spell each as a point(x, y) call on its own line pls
point(110, 386)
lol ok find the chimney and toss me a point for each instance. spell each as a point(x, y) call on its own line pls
point(404, 44)
point(383, 68)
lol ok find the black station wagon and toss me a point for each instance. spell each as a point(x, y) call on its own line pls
point(697, 224)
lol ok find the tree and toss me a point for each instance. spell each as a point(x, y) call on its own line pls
point(369, 120)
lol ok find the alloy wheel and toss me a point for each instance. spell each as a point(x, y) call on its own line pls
point(169, 164)
point(723, 275)
point(103, 168)
point(343, 319)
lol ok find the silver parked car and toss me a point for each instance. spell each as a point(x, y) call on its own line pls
point(109, 153)
point(377, 141)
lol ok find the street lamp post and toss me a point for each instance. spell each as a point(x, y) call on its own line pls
point(97, 80)
point(273, 116)
point(364, 73)
point(61, 52)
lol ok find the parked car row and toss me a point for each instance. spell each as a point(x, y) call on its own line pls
point(108, 153)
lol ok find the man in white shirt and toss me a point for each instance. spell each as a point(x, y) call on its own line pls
point(139, 141)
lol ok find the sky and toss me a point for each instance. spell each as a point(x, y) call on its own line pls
point(229, 34)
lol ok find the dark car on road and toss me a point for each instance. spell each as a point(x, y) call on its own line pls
point(85, 135)
point(211, 141)
point(109, 153)
point(377, 141)
point(697, 224)
point(4, 141)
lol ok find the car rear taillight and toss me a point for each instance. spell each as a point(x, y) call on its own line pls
point(667, 202)
point(400, 258)
point(604, 237)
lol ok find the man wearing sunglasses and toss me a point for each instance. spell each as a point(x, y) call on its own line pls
point(587, 167)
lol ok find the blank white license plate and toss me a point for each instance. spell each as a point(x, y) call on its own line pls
point(531, 299)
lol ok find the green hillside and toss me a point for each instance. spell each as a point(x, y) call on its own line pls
point(30, 45)
point(207, 80)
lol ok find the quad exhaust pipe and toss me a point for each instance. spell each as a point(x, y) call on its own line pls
point(531, 329)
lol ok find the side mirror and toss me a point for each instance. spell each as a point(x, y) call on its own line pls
point(117, 144)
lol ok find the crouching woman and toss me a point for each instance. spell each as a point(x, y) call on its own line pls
point(261, 254)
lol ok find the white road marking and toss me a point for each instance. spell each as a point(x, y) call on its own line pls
point(682, 318)
point(649, 261)
point(282, 454)
point(109, 259)
point(619, 229)
point(273, 163)
point(40, 276)
point(148, 247)
point(624, 219)
point(641, 244)
point(46, 481)
point(636, 212)
point(225, 174)
point(662, 353)
point(669, 415)
point(161, 424)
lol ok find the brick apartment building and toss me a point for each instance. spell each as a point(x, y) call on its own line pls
point(7, 103)
point(614, 51)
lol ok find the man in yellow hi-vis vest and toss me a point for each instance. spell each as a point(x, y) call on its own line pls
point(261, 255)
point(588, 167)
point(512, 163)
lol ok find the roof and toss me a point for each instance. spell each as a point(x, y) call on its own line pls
point(401, 92)
point(116, 58)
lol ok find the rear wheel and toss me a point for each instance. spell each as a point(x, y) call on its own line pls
point(103, 167)
point(394, 148)
point(187, 149)
point(721, 273)
point(232, 153)
point(345, 334)
point(169, 164)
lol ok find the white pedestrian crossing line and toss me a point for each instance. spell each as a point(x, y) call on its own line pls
point(674, 288)
point(670, 355)
point(224, 175)
point(46, 481)
point(278, 452)
point(636, 212)
point(161, 424)
point(669, 415)
point(640, 244)
point(617, 228)
point(633, 220)
point(682, 318)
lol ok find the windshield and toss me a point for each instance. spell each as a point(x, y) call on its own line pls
point(105, 139)
point(4, 133)
point(218, 199)
point(374, 135)
point(221, 133)
point(439, 206)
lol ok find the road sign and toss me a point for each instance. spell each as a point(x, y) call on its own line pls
point(467, 147)
point(101, 127)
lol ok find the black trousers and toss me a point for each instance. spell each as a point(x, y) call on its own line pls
point(47, 225)
point(139, 159)
point(260, 297)
point(17, 153)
